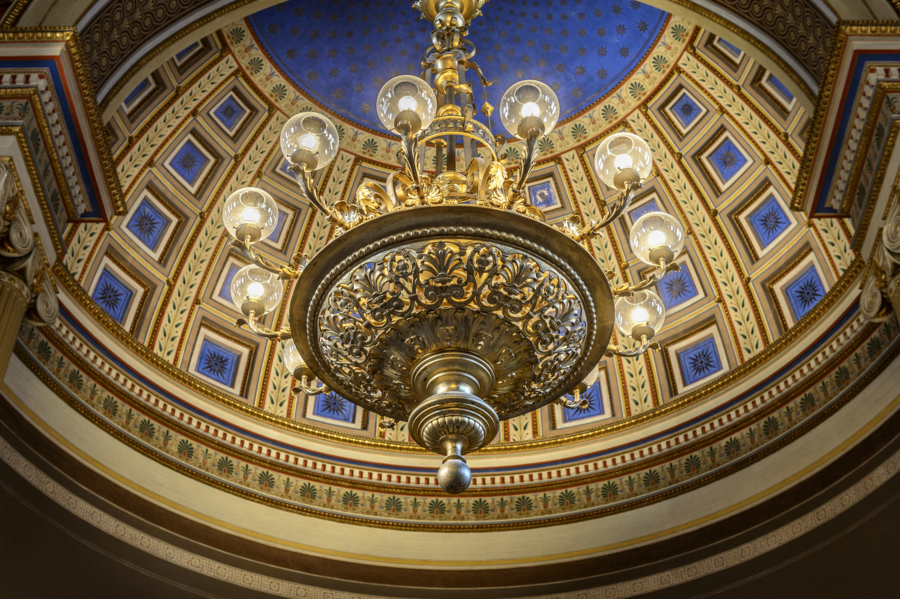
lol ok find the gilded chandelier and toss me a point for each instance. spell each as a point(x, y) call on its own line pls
point(445, 300)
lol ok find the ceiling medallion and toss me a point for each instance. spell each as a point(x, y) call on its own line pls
point(445, 300)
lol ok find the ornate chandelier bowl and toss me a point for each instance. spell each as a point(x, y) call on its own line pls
point(444, 299)
point(484, 312)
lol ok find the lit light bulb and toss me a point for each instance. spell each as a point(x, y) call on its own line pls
point(623, 161)
point(656, 239)
point(308, 142)
point(640, 315)
point(255, 290)
point(531, 109)
point(250, 216)
point(407, 103)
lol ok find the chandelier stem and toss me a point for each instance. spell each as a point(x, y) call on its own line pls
point(528, 162)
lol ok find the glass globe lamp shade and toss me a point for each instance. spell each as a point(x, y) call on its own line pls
point(294, 362)
point(657, 236)
point(250, 213)
point(623, 158)
point(528, 107)
point(642, 314)
point(406, 101)
point(309, 139)
point(256, 290)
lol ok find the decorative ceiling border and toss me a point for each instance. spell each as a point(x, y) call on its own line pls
point(253, 580)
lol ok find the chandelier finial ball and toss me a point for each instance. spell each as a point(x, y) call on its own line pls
point(528, 108)
point(406, 102)
point(623, 159)
point(449, 18)
point(250, 214)
point(657, 236)
point(309, 139)
point(454, 475)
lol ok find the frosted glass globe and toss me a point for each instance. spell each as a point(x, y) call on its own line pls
point(406, 100)
point(529, 106)
point(656, 236)
point(250, 212)
point(634, 315)
point(622, 158)
point(292, 357)
point(311, 139)
point(256, 289)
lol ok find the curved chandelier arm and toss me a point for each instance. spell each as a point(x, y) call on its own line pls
point(304, 178)
point(284, 271)
point(528, 161)
point(655, 277)
point(613, 350)
point(261, 330)
point(617, 211)
point(303, 386)
point(409, 154)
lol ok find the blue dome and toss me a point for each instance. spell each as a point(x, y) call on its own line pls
point(340, 52)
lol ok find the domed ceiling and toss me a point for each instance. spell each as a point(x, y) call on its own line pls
point(761, 341)
point(341, 53)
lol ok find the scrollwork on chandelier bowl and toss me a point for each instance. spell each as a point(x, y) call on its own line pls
point(443, 299)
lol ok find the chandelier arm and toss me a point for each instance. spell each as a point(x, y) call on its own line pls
point(308, 189)
point(261, 330)
point(303, 386)
point(613, 350)
point(284, 271)
point(410, 150)
point(655, 277)
point(617, 211)
point(528, 162)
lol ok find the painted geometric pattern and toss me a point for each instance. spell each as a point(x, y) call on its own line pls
point(188, 162)
point(333, 406)
point(768, 221)
point(649, 206)
point(677, 288)
point(686, 111)
point(727, 158)
point(217, 362)
point(544, 195)
point(699, 360)
point(865, 353)
point(149, 224)
point(804, 292)
point(113, 295)
point(229, 113)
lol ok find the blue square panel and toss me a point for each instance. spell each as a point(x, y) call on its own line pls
point(686, 110)
point(804, 292)
point(768, 221)
point(229, 113)
point(727, 159)
point(113, 295)
point(189, 162)
point(137, 91)
point(594, 396)
point(779, 87)
point(225, 291)
point(333, 406)
point(643, 209)
point(729, 46)
point(217, 362)
point(543, 195)
point(279, 226)
point(677, 288)
point(699, 360)
point(149, 224)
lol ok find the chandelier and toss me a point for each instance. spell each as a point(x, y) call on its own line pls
point(445, 300)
